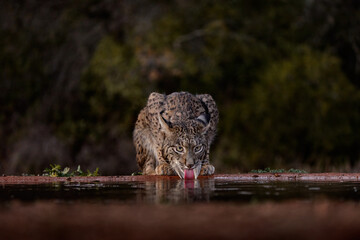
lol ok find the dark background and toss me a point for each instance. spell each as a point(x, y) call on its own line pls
point(75, 74)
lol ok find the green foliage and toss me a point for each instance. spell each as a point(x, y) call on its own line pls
point(285, 79)
point(115, 64)
point(136, 174)
point(55, 171)
point(298, 109)
point(293, 170)
point(110, 94)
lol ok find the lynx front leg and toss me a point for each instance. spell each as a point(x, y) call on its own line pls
point(146, 163)
point(145, 160)
point(149, 168)
point(207, 169)
point(164, 169)
point(144, 157)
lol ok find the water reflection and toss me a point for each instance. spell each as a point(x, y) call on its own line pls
point(177, 191)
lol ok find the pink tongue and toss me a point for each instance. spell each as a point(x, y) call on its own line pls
point(189, 174)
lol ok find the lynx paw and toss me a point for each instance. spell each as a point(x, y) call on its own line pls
point(207, 170)
point(164, 169)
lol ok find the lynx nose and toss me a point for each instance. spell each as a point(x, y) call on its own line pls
point(190, 165)
point(189, 161)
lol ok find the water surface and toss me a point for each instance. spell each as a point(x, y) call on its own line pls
point(175, 191)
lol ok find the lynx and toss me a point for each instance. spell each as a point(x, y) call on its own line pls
point(173, 134)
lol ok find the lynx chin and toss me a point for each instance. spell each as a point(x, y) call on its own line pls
point(173, 134)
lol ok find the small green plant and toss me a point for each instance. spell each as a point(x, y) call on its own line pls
point(293, 170)
point(136, 173)
point(269, 170)
point(56, 170)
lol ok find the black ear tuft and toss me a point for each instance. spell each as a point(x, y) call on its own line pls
point(166, 125)
point(204, 118)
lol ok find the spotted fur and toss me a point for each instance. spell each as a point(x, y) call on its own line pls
point(174, 132)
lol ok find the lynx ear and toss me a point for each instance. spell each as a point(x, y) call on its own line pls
point(205, 120)
point(165, 125)
point(155, 102)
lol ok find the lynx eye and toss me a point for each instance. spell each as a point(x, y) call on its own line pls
point(179, 149)
point(198, 149)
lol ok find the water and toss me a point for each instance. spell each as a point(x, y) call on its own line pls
point(173, 191)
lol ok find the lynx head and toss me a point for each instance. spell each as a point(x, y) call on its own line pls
point(186, 144)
